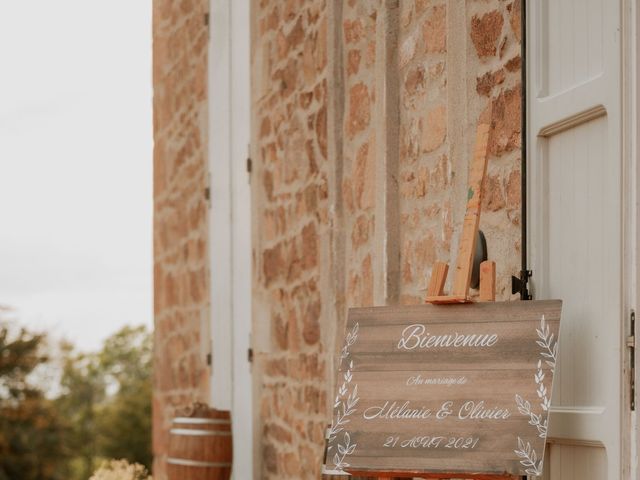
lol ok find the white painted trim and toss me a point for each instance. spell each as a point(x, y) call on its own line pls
point(631, 133)
point(601, 95)
point(230, 222)
point(241, 274)
point(220, 212)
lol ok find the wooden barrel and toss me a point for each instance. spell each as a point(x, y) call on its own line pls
point(200, 446)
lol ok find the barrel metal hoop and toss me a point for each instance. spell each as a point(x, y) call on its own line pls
point(201, 421)
point(195, 433)
point(196, 463)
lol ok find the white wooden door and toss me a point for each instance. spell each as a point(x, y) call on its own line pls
point(230, 223)
point(575, 225)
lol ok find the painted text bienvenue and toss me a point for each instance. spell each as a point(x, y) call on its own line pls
point(415, 336)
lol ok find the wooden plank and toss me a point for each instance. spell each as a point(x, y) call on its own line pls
point(477, 172)
point(438, 279)
point(488, 281)
point(445, 390)
point(438, 476)
point(448, 299)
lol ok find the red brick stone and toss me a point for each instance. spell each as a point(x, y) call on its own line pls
point(507, 117)
point(360, 233)
point(422, 5)
point(282, 46)
point(359, 109)
point(370, 54)
point(273, 264)
point(280, 332)
point(291, 9)
point(297, 34)
point(265, 127)
point(415, 80)
point(485, 32)
point(269, 453)
point(434, 130)
point(486, 83)
point(514, 189)
point(515, 10)
point(353, 61)
point(406, 14)
point(514, 65)
point(353, 30)
point(425, 252)
point(364, 176)
point(278, 433)
point(408, 49)
point(435, 30)
point(367, 282)
point(321, 130)
point(320, 53)
point(311, 323)
point(309, 246)
point(493, 197)
point(267, 181)
point(347, 194)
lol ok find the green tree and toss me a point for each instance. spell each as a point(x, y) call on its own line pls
point(31, 432)
point(83, 390)
point(107, 398)
point(125, 419)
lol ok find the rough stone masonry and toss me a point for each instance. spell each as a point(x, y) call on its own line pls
point(181, 267)
point(363, 122)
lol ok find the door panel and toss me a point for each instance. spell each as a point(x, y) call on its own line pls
point(230, 223)
point(574, 33)
point(575, 213)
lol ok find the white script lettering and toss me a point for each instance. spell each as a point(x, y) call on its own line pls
point(391, 411)
point(416, 336)
point(477, 410)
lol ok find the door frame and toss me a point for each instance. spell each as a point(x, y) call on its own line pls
point(631, 251)
point(229, 229)
point(630, 221)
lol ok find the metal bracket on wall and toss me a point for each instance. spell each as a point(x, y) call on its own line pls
point(519, 285)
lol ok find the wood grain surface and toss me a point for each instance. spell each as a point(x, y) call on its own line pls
point(457, 388)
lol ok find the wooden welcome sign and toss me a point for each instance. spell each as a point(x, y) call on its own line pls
point(457, 388)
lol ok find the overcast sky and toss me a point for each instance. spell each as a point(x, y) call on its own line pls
point(76, 165)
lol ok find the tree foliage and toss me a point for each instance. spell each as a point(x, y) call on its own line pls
point(101, 410)
point(31, 431)
point(126, 362)
point(107, 394)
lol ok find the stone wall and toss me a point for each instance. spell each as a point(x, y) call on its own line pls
point(364, 119)
point(290, 201)
point(455, 58)
point(181, 291)
point(363, 123)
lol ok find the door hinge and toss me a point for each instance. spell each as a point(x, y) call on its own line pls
point(520, 285)
point(249, 165)
point(209, 359)
point(250, 355)
point(207, 20)
point(207, 191)
point(631, 345)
